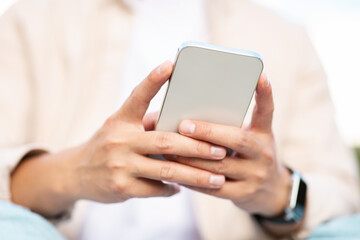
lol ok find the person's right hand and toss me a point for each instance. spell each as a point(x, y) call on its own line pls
point(113, 166)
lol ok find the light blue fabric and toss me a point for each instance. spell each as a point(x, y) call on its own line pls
point(339, 229)
point(17, 223)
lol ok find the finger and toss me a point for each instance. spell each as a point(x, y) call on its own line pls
point(138, 102)
point(263, 112)
point(149, 121)
point(151, 188)
point(232, 137)
point(177, 173)
point(154, 142)
point(233, 168)
point(232, 190)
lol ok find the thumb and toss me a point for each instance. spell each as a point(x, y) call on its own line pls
point(264, 108)
point(138, 102)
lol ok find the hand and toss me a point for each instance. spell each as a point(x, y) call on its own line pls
point(256, 181)
point(113, 165)
point(116, 157)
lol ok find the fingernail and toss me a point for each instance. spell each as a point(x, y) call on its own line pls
point(162, 67)
point(217, 180)
point(217, 152)
point(187, 127)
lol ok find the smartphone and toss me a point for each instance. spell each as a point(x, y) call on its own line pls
point(209, 83)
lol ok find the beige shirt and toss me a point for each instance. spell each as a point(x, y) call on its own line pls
point(158, 29)
point(60, 61)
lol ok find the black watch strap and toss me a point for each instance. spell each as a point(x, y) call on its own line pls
point(295, 210)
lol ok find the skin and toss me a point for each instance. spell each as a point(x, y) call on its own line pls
point(256, 181)
point(113, 166)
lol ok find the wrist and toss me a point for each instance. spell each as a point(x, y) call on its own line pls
point(283, 194)
point(69, 181)
point(293, 215)
point(45, 183)
point(65, 181)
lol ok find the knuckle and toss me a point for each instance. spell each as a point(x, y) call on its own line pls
point(152, 79)
point(164, 141)
point(201, 179)
point(107, 144)
point(134, 96)
point(268, 155)
point(260, 176)
point(133, 92)
point(248, 193)
point(123, 188)
point(117, 166)
point(221, 167)
point(240, 140)
point(118, 187)
point(110, 143)
point(206, 130)
point(199, 147)
point(167, 172)
point(265, 111)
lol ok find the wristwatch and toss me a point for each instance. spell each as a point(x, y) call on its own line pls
point(295, 210)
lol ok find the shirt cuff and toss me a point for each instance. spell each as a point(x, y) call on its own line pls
point(9, 160)
point(327, 198)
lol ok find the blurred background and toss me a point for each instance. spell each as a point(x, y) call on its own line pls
point(334, 27)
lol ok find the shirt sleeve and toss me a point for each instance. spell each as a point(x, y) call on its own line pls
point(16, 100)
point(313, 146)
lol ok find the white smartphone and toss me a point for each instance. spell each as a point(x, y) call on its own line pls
point(209, 83)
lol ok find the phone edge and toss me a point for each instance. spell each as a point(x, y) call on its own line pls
point(213, 47)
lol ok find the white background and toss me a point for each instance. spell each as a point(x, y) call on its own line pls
point(334, 27)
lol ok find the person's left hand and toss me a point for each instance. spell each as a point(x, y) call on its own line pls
point(256, 181)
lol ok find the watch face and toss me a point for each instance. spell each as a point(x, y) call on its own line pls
point(296, 214)
point(300, 202)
